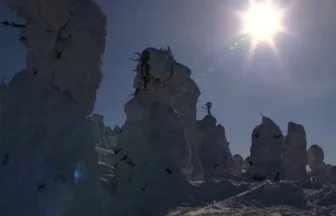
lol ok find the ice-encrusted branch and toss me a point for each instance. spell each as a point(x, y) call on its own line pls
point(12, 24)
point(207, 107)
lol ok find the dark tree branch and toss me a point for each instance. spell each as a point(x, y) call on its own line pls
point(12, 24)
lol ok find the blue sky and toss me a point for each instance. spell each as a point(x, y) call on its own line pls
point(295, 84)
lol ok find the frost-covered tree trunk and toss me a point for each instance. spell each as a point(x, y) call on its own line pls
point(49, 166)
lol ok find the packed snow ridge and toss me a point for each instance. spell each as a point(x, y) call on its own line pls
point(57, 159)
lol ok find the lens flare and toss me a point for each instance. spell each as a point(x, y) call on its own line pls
point(262, 21)
point(80, 172)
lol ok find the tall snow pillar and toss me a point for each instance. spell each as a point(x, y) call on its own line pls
point(214, 150)
point(49, 162)
point(265, 161)
point(295, 153)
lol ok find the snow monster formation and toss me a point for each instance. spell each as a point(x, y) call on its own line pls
point(214, 150)
point(265, 160)
point(153, 153)
point(49, 166)
point(316, 163)
point(295, 153)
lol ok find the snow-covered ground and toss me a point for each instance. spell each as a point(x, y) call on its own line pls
point(270, 199)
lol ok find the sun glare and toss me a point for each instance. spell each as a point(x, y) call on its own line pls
point(261, 21)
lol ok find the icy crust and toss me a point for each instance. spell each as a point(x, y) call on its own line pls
point(295, 153)
point(214, 150)
point(45, 138)
point(65, 42)
point(266, 152)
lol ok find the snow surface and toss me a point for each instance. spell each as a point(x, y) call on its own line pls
point(57, 160)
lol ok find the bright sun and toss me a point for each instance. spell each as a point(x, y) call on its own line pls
point(261, 21)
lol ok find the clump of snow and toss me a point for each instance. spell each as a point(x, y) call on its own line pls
point(49, 166)
point(214, 150)
point(295, 153)
point(265, 160)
